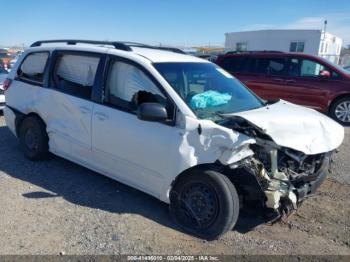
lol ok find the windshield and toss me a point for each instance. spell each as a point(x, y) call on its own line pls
point(207, 89)
point(343, 70)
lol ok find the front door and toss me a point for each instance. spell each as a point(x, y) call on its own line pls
point(126, 148)
point(307, 87)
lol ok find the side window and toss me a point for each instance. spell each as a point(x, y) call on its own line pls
point(33, 66)
point(234, 64)
point(270, 66)
point(74, 74)
point(310, 68)
point(128, 86)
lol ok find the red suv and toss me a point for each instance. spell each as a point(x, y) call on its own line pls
point(299, 78)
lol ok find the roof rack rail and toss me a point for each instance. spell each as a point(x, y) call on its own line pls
point(117, 45)
point(125, 46)
point(166, 48)
point(252, 51)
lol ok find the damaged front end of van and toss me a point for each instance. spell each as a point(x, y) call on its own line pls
point(292, 153)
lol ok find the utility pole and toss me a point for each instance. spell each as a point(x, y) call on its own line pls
point(323, 38)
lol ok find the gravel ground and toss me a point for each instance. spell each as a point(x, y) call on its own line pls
point(55, 207)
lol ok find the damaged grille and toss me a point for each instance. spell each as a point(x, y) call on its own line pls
point(297, 166)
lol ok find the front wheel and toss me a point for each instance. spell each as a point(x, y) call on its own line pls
point(205, 203)
point(340, 111)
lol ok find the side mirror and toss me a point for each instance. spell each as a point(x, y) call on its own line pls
point(325, 74)
point(154, 112)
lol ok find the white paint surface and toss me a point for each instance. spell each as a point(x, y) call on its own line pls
point(297, 127)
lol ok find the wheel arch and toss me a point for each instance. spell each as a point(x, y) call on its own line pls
point(244, 181)
point(212, 166)
point(337, 98)
point(21, 116)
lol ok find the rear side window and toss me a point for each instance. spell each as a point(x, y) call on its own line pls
point(75, 74)
point(270, 66)
point(235, 64)
point(33, 67)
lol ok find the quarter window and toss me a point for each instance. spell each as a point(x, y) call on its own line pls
point(75, 74)
point(33, 67)
point(128, 86)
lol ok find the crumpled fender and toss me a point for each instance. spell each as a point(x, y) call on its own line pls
point(204, 142)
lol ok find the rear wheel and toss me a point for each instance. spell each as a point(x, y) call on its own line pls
point(340, 111)
point(205, 203)
point(33, 138)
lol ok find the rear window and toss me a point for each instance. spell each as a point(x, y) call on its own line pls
point(33, 67)
point(75, 74)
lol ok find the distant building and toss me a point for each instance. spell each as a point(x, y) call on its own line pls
point(315, 42)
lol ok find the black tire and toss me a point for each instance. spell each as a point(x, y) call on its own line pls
point(33, 138)
point(204, 203)
point(335, 110)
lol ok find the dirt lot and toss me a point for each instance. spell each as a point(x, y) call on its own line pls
point(56, 206)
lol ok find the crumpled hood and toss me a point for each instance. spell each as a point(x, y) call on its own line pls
point(297, 127)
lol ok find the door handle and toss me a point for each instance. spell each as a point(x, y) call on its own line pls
point(84, 110)
point(278, 79)
point(290, 81)
point(101, 116)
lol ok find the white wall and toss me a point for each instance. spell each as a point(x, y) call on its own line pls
point(330, 47)
point(278, 40)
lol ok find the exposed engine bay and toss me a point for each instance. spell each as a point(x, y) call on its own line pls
point(286, 176)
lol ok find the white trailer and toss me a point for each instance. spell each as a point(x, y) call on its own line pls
point(315, 42)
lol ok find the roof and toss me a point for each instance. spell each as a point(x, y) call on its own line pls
point(126, 49)
point(276, 30)
point(159, 56)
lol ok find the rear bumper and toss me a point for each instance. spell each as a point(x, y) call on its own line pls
point(2, 101)
point(309, 188)
point(10, 118)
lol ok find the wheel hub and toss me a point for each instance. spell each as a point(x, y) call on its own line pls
point(200, 204)
point(31, 139)
point(342, 111)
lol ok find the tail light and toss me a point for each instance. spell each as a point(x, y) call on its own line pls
point(7, 83)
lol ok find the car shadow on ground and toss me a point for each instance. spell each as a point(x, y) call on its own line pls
point(78, 185)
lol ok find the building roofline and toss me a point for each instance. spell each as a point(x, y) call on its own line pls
point(269, 30)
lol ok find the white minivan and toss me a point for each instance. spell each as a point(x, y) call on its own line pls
point(172, 125)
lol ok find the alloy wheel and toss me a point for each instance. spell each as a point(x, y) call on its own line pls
point(342, 111)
